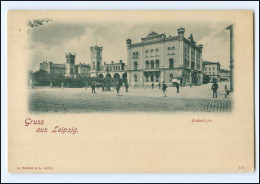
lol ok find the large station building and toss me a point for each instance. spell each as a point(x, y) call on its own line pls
point(159, 58)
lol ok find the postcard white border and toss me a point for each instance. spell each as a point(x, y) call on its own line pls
point(133, 178)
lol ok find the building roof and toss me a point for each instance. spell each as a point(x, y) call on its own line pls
point(58, 65)
point(224, 71)
point(154, 37)
point(210, 63)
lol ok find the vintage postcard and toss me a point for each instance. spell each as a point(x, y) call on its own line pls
point(158, 91)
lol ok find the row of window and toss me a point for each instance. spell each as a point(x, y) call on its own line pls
point(213, 68)
point(213, 73)
point(152, 77)
point(154, 65)
point(113, 68)
point(152, 53)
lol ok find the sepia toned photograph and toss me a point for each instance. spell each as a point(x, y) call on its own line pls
point(170, 66)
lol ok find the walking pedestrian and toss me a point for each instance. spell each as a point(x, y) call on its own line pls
point(214, 88)
point(164, 87)
point(117, 88)
point(103, 87)
point(126, 87)
point(152, 85)
point(159, 85)
point(62, 85)
point(226, 91)
point(177, 87)
point(93, 87)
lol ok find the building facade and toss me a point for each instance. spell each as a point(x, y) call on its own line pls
point(69, 69)
point(107, 70)
point(158, 58)
point(224, 75)
point(212, 69)
point(53, 68)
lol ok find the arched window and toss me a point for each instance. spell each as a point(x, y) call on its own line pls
point(157, 63)
point(135, 65)
point(147, 78)
point(147, 53)
point(170, 78)
point(98, 65)
point(171, 63)
point(135, 78)
point(171, 50)
point(147, 65)
point(151, 78)
point(152, 64)
point(152, 52)
point(134, 55)
point(157, 52)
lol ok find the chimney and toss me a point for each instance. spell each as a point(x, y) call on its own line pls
point(200, 46)
point(128, 41)
point(181, 31)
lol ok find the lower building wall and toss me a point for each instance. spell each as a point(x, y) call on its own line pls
point(165, 75)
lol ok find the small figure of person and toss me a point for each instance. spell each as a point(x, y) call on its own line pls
point(62, 85)
point(164, 86)
point(126, 87)
point(117, 88)
point(159, 85)
point(152, 85)
point(226, 91)
point(93, 87)
point(86, 85)
point(214, 88)
point(103, 87)
point(190, 85)
point(51, 84)
point(177, 87)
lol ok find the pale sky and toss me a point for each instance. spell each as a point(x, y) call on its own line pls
point(52, 40)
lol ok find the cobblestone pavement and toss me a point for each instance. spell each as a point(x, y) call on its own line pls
point(80, 100)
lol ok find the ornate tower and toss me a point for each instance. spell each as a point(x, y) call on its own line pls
point(96, 60)
point(70, 64)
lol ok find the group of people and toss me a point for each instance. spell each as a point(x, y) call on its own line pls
point(214, 88)
point(164, 87)
point(118, 86)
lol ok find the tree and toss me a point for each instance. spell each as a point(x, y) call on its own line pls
point(41, 77)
